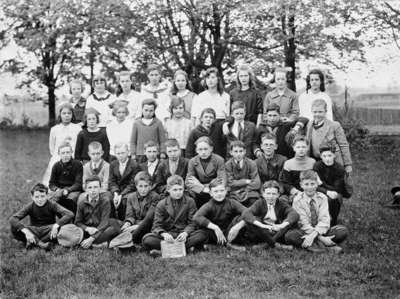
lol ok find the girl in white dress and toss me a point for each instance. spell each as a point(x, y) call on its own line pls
point(129, 95)
point(315, 90)
point(64, 131)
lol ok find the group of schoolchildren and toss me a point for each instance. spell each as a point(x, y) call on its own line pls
point(166, 164)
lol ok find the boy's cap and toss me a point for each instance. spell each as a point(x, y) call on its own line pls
point(70, 235)
point(395, 189)
point(123, 240)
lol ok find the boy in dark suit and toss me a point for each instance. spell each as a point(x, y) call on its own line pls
point(332, 176)
point(269, 163)
point(174, 164)
point(152, 163)
point(269, 218)
point(93, 216)
point(173, 219)
point(122, 180)
point(242, 175)
point(280, 129)
point(140, 208)
point(202, 169)
point(241, 130)
point(220, 217)
point(44, 225)
point(66, 179)
point(207, 118)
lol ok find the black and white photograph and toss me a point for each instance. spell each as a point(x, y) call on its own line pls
point(199, 149)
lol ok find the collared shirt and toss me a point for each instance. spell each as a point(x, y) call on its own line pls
point(239, 163)
point(236, 130)
point(173, 166)
point(122, 167)
point(151, 167)
point(147, 121)
point(301, 204)
point(287, 101)
point(270, 217)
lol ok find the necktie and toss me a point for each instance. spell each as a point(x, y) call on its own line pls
point(172, 167)
point(313, 211)
point(240, 132)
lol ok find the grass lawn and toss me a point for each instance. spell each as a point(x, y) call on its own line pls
point(370, 266)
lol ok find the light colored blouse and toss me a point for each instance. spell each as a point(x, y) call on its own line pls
point(119, 132)
point(220, 103)
point(179, 129)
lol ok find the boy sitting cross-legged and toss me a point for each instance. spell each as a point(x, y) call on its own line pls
point(315, 233)
point(93, 216)
point(242, 175)
point(44, 225)
point(270, 218)
point(220, 217)
point(140, 208)
point(332, 175)
point(66, 179)
point(174, 164)
point(122, 180)
point(173, 219)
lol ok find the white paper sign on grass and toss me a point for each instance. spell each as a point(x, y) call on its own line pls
point(173, 249)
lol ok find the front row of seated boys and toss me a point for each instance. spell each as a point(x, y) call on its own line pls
point(270, 220)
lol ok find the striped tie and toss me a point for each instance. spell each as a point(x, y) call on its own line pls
point(314, 215)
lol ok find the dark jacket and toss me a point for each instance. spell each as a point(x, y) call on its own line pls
point(195, 134)
point(125, 183)
point(163, 173)
point(248, 137)
point(66, 175)
point(98, 215)
point(139, 208)
point(219, 213)
point(177, 220)
point(236, 176)
point(332, 177)
point(259, 209)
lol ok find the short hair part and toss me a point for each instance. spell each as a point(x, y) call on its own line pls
point(268, 136)
point(309, 175)
point(271, 184)
point(175, 180)
point(121, 145)
point(208, 111)
point(217, 182)
point(238, 105)
point(39, 187)
point(142, 176)
point(153, 67)
point(273, 107)
point(319, 103)
point(95, 145)
point(172, 142)
point(237, 143)
point(300, 138)
point(92, 178)
point(149, 102)
point(150, 143)
point(64, 144)
point(205, 139)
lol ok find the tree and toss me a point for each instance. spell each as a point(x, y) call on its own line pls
point(46, 29)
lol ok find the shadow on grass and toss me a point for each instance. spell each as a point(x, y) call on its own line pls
point(370, 266)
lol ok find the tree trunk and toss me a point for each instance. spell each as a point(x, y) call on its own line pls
point(290, 52)
point(92, 56)
point(52, 102)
